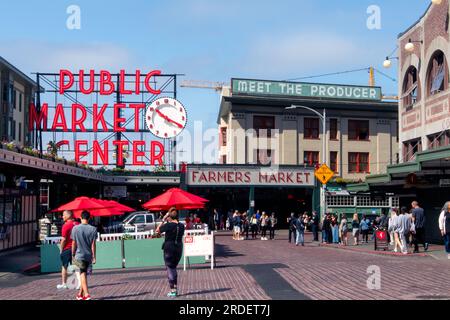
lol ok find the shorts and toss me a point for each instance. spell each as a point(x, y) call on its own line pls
point(83, 265)
point(237, 229)
point(355, 232)
point(66, 258)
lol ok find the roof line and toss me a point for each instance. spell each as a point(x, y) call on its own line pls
point(16, 70)
point(416, 22)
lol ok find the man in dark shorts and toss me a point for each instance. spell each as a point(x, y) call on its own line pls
point(83, 251)
point(172, 247)
point(418, 215)
point(66, 248)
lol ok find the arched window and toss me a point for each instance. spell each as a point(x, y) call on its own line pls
point(437, 74)
point(411, 87)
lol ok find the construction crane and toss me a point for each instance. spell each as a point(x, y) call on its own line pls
point(200, 84)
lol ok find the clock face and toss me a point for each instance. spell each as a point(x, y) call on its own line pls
point(166, 118)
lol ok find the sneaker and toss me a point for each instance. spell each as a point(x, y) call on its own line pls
point(426, 247)
point(62, 286)
point(395, 250)
point(172, 294)
point(79, 297)
point(448, 256)
point(88, 297)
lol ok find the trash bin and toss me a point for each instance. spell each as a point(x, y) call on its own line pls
point(381, 240)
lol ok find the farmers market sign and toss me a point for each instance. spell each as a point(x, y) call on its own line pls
point(300, 89)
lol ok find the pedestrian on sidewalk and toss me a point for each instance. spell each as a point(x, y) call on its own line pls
point(291, 224)
point(335, 229)
point(391, 228)
point(237, 224)
point(172, 247)
point(254, 226)
point(83, 251)
point(300, 232)
point(343, 230)
point(418, 215)
point(273, 226)
point(245, 224)
point(364, 226)
point(328, 229)
point(355, 229)
point(396, 229)
point(66, 249)
point(264, 222)
point(404, 227)
point(315, 226)
point(444, 226)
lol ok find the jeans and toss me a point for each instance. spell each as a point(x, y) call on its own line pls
point(324, 236)
point(335, 232)
point(419, 237)
point(402, 238)
point(315, 232)
point(291, 234)
point(272, 232)
point(300, 237)
point(447, 242)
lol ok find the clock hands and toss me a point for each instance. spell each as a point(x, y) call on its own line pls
point(162, 115)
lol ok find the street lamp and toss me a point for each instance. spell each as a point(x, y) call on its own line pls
point(436, 1)
point(323, 117)
point(388, 62)
point(410, 45)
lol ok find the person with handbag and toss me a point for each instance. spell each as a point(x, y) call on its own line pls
point(444, 226)
point(172, 247)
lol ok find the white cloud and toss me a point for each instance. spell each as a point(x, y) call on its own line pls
point(34, 56)
point(288, 54)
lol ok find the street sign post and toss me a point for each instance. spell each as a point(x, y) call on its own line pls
point(324, 174)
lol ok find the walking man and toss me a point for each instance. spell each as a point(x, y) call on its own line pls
point(404, 225)
point(66, 249)
point(272, 226)
point(291, 223)
point(418, 216)
point(83, 251)
point(315, 226)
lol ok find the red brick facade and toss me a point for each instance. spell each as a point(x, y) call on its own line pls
point(429, 113)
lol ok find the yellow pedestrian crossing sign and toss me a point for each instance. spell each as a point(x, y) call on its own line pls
point(324, 174)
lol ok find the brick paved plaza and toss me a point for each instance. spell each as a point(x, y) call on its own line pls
point(262, 270)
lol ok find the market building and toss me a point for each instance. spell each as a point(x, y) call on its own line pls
point(272, 124)
point(17, 90)
point(424, 118)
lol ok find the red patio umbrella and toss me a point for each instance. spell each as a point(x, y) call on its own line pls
point(177, 198)
point(118, 206)
point(82, 203)
point(105, 212)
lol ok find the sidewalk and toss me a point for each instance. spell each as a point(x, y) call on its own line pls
point(16, 262)
point(435, 251)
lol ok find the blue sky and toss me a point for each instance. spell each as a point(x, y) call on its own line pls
point(208, 40)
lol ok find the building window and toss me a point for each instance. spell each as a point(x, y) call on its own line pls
point(13, 130)
point(358, 162)
point(224, 159)
point(311, 158)
point(411, 148)
point(333, 129)
point(358, 130)
point(334, 161)
point(20, 102)
point(20, 132)
point(438, 140)
point(311, 128)
point(15, 99)
point(264, 157)
point(411, 88)
point(437, 74)
point(223, 137)
point(264, 125)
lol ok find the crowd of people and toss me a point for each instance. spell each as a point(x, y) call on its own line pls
point(245, 224)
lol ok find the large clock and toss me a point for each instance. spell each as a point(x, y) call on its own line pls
point(166, 118)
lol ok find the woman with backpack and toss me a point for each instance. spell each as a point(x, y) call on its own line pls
point(364, 226)
point(343, 230)
point(172, 247)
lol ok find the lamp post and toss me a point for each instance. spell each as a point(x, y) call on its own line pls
point(323, 117)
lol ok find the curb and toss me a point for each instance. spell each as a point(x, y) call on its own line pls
point(386, 253)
